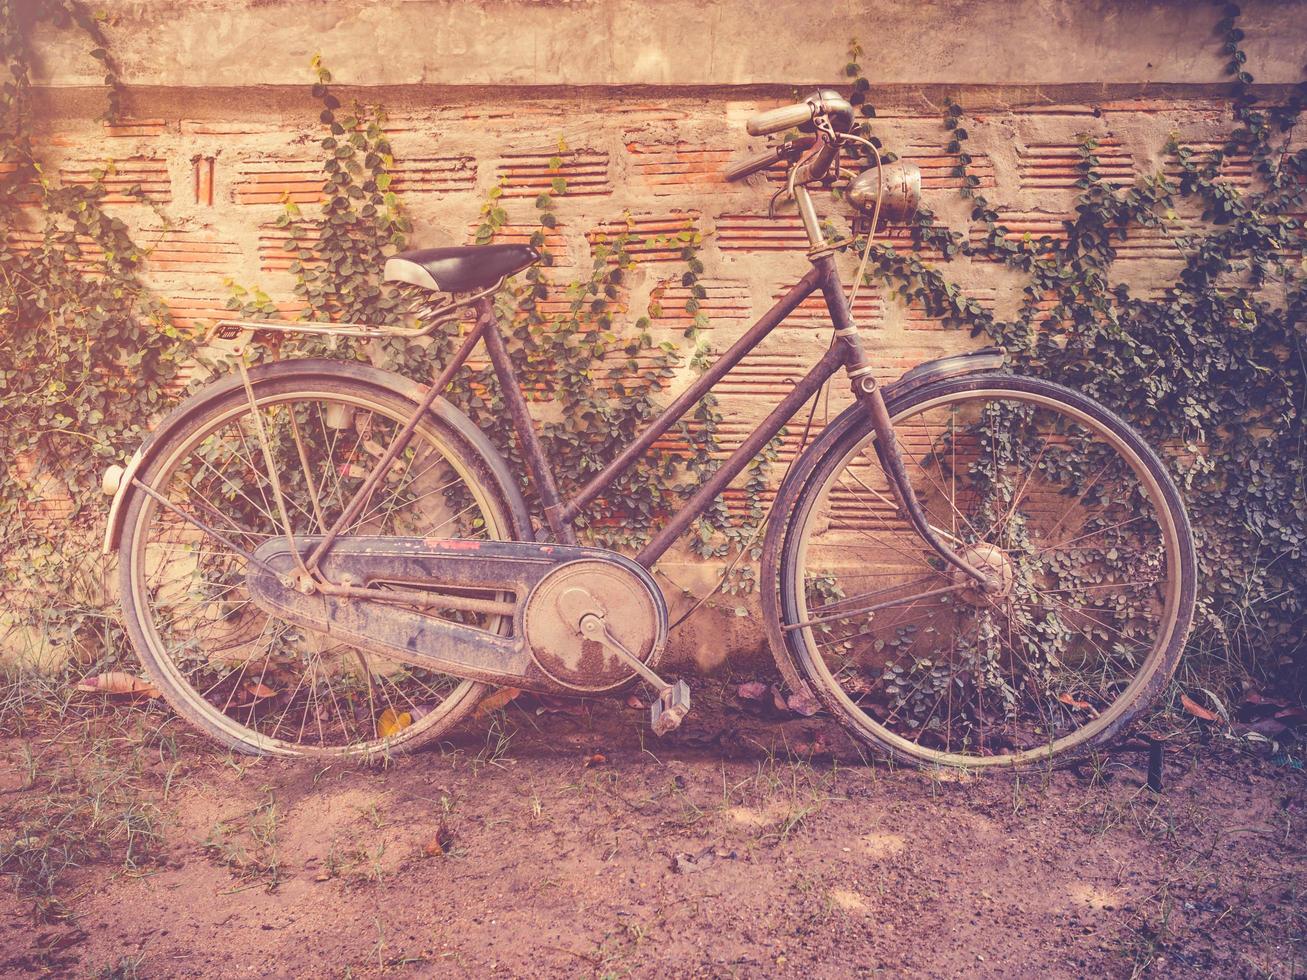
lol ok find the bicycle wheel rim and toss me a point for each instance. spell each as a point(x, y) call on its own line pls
point(1178, 594)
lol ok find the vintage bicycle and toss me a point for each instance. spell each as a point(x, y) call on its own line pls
point(966, 567)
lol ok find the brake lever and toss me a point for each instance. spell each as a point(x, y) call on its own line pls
point(771, 204)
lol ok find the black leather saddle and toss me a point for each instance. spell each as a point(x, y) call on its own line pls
point(460, 269)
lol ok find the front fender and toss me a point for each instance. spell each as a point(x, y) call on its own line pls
point(970, 362)
point(317, 368)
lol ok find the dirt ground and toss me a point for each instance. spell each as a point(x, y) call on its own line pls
point(555, 841)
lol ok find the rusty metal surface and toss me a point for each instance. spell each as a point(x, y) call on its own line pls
point(511, 389)
point(633, 613)
point(498, 650)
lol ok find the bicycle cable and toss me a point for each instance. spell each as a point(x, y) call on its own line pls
point(807, 428)
point(875, 217)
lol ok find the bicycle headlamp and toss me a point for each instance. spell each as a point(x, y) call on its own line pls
point(901, 195)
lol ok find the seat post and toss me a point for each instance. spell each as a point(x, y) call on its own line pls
point(541, 474)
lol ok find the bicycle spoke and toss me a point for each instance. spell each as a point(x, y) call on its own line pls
point(258, 672)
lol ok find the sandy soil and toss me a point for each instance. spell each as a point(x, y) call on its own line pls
point(557, 842)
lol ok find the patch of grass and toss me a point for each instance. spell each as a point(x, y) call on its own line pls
point(126, 968)
point(247, 845)
point(499, 737)
point(88, 795)
point(786, 792)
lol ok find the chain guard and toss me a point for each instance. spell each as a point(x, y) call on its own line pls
point(633, 612)
point(520, 572)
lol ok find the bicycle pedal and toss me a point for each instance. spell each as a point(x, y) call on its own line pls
point(673, 704)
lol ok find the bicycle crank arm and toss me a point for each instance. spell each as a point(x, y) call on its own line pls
point(673, 703)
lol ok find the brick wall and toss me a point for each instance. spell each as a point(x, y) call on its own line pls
point(220, 162)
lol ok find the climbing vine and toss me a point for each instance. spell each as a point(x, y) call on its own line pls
point(87, 354)
point(598, 382)
point(1209, 366)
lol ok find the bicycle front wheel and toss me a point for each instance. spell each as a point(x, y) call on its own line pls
point(1061, 503)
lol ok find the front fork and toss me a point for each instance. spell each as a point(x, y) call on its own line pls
point(867, 391)
point(890, 456)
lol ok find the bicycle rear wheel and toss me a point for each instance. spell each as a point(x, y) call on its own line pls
point(1059, 500)
point(253, 681)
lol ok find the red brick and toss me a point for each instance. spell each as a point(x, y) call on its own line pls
point(120, 175)
point(654, 236)
point(527, 173)
point(1055, 166)
point(193, 252)
point(676, 168)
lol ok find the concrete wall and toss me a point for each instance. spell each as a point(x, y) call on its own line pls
point(651, 99)
point(202, 43)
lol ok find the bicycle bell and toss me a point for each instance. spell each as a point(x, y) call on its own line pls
point(901, 197)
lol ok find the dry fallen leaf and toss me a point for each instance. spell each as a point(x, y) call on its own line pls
point(1196, 709)
point(260, 691)
point(1074, 702)
point(391, 722)
point(598, 759)
point(441, 844)
point(803, 704)
point(495, 700)
point(1292, 716)
point(751, 691)
point(118, 682)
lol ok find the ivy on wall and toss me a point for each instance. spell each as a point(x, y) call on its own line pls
point(602, 380)
point(87, 353)
point(1212, 368)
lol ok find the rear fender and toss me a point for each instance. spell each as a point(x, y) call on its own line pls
point(314, 369)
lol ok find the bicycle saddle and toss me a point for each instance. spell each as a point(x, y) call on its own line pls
point(459, 269)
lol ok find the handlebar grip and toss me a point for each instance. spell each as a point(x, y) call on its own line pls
point(760, 161)
point(776, 120)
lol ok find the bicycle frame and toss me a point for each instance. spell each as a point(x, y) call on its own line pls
point(846, 351)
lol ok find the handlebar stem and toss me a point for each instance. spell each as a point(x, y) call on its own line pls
point(808, 215)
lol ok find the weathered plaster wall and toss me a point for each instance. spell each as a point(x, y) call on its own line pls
point(194, 43)
point(223, 129)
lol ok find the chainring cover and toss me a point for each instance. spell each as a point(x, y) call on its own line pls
point(622, 593)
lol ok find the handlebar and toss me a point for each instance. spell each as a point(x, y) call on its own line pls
point(834, 107)
point(761, 161)
point(814, 166)
point(825, 113)
point(776, 120)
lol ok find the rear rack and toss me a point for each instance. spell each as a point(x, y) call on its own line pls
point(431, 315)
